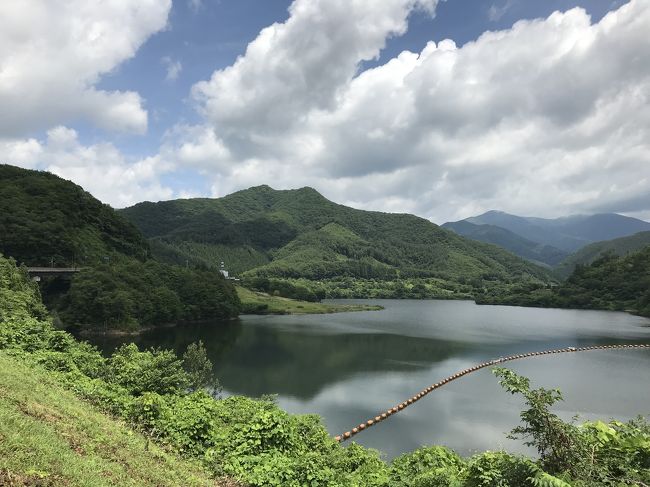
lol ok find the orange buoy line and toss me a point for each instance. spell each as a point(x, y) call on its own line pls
point(389, 412)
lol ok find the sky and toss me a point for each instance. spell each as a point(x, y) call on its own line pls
point(441, 108)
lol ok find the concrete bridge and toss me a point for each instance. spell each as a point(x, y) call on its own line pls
point(36, 273)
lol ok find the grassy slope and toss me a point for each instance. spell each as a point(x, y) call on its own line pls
point(50, 437)
point(278, 305)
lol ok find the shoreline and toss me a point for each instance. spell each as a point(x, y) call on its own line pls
point(82, 331)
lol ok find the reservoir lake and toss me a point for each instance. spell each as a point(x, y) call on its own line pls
point(348, 367)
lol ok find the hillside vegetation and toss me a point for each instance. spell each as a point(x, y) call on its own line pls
point(618, 246)
point(47, 220)
point(164, 396)
point(611, 282)
point(299, 234)
point(518, 245)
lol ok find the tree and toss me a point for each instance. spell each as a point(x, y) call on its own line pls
point(199, 369)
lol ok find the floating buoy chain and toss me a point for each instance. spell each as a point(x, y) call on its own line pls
point(389, 412)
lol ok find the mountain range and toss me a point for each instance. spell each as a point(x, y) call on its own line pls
point(547, 241)
point(295, 234)
point(300, 234)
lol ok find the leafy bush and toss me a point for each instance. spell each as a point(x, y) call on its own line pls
point(158, 371)
point(499, 469)
point(427, 467)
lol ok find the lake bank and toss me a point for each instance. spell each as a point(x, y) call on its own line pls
point(259, 303)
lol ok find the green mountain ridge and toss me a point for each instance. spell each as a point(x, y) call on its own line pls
point(588, 254)
point(538, 253)
point(300, 234)
point(45, 220)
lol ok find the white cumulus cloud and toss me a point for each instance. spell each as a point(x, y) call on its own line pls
point(54, 52)
point(549, 117)
point(100, 169)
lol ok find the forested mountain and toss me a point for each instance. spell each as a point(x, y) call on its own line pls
point(45, 220)
point(568, 233)
point(300, 234)
point(591, 252)
point(609, 282)
point(533, 251)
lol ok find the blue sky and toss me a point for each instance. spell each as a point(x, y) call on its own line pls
point(180, 131)
point(212, 35)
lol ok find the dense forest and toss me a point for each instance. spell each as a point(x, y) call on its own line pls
point(299, 234)
point(610, 282)
point(46, 220)
point(130, 294)
point(618, 246)
point(171, 400)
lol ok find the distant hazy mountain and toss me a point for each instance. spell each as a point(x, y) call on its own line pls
point(533, 251)
point(568, 233)
point(619, 246)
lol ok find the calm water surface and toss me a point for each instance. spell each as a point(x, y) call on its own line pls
point(347, 367)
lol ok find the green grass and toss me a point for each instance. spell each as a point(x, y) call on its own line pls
point(254, 302)
point(49, 437)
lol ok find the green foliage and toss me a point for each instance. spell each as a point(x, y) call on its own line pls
point(402, 288)
point(609, 282)
point(595, 453)
point(158, 371)
point(129, 294)
point(49, 437)
point(284, 288)
point(256, 302)
point(434, 466)
point(557, 442)
point(19, 297)
point(298, 234)
point(45, 219)
point(199, 368)
point(589, 253)
point(206, 255)
point(499, 469)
